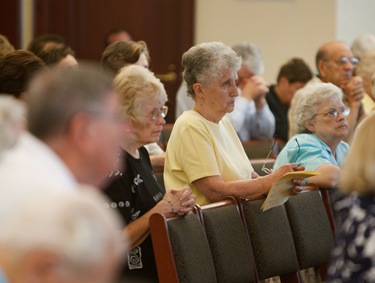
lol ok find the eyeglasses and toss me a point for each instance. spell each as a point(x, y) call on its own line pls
point(156, 113)
point(268, 170)
point(343, 60)
point(333, 113)
point(264, 168)
point(299, 149)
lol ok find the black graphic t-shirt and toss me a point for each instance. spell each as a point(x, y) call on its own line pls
point(133, 192)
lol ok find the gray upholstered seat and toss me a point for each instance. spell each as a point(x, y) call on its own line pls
point(229, 243)
point(311, 230)
point(181, 249)
point(271, 241)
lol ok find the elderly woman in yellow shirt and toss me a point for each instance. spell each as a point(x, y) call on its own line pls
point(204, 151)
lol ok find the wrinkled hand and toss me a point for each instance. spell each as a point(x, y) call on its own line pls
point(354, 91)
point(255, 89)
point(286, 168)
point(254, 175)
point(298, 186)
point(182, 201)
point(298, 183)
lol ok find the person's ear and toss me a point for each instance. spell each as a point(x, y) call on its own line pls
point(283, 82)
point(80, 130)
point(198, 90)
point(322, 68)
point(310, 126)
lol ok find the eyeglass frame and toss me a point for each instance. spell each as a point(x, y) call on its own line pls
point(156, 113)
point(345, 59)
point(334, 112)
point(269, 171)
point(264, 168)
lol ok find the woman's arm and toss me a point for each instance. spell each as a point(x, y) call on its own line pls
point(215, 189)
point(328, 177)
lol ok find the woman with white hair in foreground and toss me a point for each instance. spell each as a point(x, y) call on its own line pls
point(58, 237)
point(12, 121)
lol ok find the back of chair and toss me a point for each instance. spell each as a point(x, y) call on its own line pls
point(181, 249)
point(311, 230)
point(258, 165)
point(257, 149)
point(229, 243)
point(272, 241)
point(327, 196)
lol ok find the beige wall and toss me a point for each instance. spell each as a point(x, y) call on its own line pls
point(281, 28)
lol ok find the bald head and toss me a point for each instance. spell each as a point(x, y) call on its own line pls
point(335, 63)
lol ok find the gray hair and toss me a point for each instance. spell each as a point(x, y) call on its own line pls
point(251, 56)
point(366, 66)
point(206, 62)
point(12, 119)
point(54, 97)
point(74, 226)
point(362, 44)
point(309, 99)
point(138, 86)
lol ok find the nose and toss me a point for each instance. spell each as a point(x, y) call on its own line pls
point(234, 91)
point(348, 65)
point(340, 116)
point(161, 120)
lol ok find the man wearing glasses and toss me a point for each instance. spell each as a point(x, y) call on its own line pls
point(335, 64)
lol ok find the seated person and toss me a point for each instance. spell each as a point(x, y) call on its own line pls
point(204, 151)
point(5, 45)
point(251, 118)
point(17, 68)
point(47, 236)
point(120, 54)
point(366, 70)
point(335, 64)
point(116, 34)
point(353, 258)
point(321, 123)
point(293, 75)
point(61, 56)
point(44, 41)
point(12, 121)
point(134, 191)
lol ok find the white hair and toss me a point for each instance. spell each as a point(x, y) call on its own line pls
point(362, 44)
point(12, 119)
point(251, 56)
point(310, 98)
point(74, 226)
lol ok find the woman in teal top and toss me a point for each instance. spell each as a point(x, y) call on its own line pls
point(321, 123)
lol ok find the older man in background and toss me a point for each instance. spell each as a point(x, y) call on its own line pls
point(335, 64)
point(74, 132)
point(251, 118)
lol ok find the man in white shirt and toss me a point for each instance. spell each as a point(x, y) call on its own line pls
point(75, 131)
point(251, 118)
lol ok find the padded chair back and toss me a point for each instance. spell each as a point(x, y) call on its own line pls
point(311, 230)
point(258, 149)
point(272, 241)
point(229, 243)
point(181, 249)
point(258, 164)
